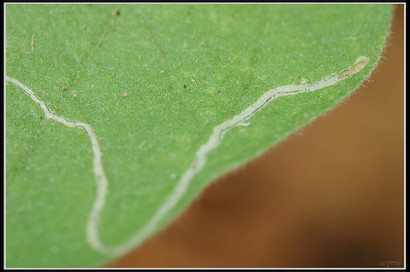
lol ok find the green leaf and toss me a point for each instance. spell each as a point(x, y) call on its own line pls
point(154, 83)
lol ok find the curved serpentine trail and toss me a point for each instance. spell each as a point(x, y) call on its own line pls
point(197, 164)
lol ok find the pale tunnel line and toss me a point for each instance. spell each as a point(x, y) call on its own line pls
point(98, 169)
point(196, 166)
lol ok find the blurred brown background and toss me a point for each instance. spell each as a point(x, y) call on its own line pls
point(331, 195)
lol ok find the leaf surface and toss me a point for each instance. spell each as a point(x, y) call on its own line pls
point(153, 81)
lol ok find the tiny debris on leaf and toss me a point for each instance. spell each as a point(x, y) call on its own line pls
point(32, 43)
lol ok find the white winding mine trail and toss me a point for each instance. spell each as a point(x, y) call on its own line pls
point(197, 164)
